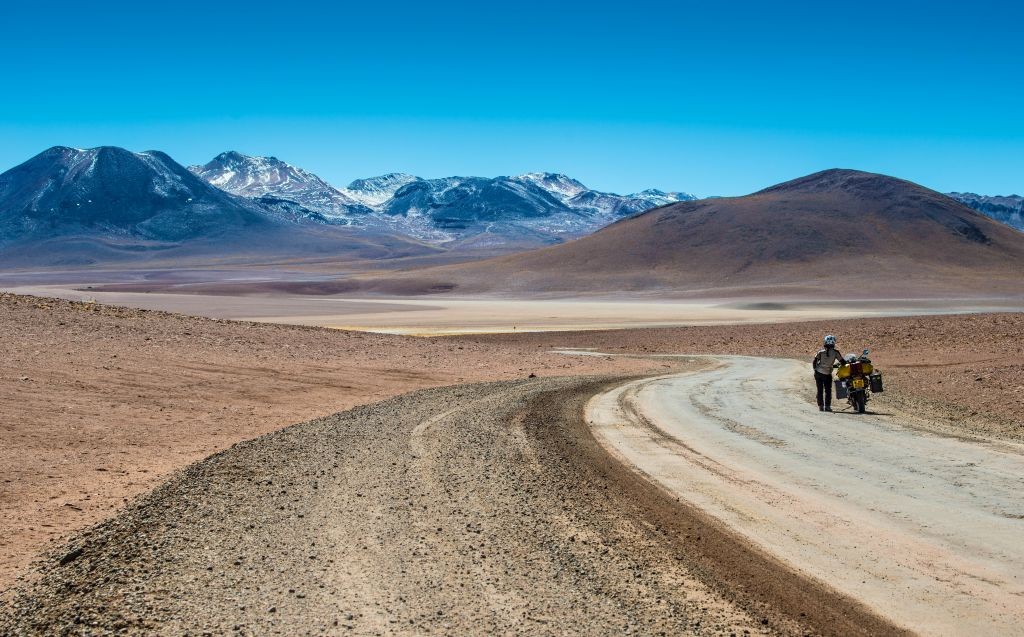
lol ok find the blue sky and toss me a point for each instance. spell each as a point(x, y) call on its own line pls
point(712, 98)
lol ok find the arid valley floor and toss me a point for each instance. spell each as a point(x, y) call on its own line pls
point(487, 506)
point(462, 319)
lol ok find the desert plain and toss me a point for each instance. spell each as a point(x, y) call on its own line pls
point(106, 409)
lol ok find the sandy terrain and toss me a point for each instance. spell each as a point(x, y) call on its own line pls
point(99, 404)
point(476, 509)
point(860, 502)
point(447, 315)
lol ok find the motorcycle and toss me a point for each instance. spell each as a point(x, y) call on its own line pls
point(856, 380)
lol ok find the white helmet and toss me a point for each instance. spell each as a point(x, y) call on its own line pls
point(830, 341)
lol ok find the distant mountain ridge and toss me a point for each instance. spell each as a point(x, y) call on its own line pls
point(256, 177)
point(532, 209)
point(1007, 209)
point(70, 206)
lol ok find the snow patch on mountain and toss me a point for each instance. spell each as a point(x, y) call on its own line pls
point(1007, 209)
point(256, 177)
point(557, 184)
point(533, 208)
point(375, 191)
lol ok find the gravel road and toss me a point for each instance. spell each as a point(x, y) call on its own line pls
point(473, 509)
point(923, 528)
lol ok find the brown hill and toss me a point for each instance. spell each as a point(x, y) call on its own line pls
point(858, 234)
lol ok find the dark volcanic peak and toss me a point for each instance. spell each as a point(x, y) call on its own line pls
point(1008, 209)
point(840, 180)
point(871, 194)
point(114, 191)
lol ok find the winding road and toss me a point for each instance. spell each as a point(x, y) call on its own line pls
point(712, 502)
point(927, 530)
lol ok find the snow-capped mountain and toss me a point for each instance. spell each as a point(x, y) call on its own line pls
point(1008, 209)
point(258, 177)
point(618, 206)
point(481, 211)
point(375, 191)
point(462, 199)
point(534, 208)
point(558, 185)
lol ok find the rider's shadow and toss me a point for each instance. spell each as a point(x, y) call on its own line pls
point(850, 412)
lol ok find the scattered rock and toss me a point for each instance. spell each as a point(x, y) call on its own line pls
point(71, 556)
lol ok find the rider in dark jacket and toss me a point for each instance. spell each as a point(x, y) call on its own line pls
point(824, 360)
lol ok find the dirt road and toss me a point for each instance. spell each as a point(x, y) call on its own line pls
point(99, 404)
point(923, 528)
point(474, 509)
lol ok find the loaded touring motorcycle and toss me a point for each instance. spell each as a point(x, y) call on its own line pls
point(856, 380)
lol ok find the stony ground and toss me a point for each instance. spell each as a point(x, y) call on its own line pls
point(475, 509)
point(100, 403)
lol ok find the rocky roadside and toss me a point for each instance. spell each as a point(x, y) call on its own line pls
point(472, 509)
point(99, 403)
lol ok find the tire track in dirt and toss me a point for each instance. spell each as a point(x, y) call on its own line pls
point(859, 502)
point(473, 509)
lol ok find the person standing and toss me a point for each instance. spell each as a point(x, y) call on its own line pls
point(824, 360)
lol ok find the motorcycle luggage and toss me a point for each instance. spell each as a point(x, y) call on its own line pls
point(876, 383)
point(843, 372)
point(841, 392)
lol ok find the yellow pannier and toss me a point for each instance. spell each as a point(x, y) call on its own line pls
point(844, 370)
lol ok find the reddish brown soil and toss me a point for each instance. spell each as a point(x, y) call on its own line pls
point(101, 403)
point(98, 404)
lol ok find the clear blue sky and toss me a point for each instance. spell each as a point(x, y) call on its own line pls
point(709, 97)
